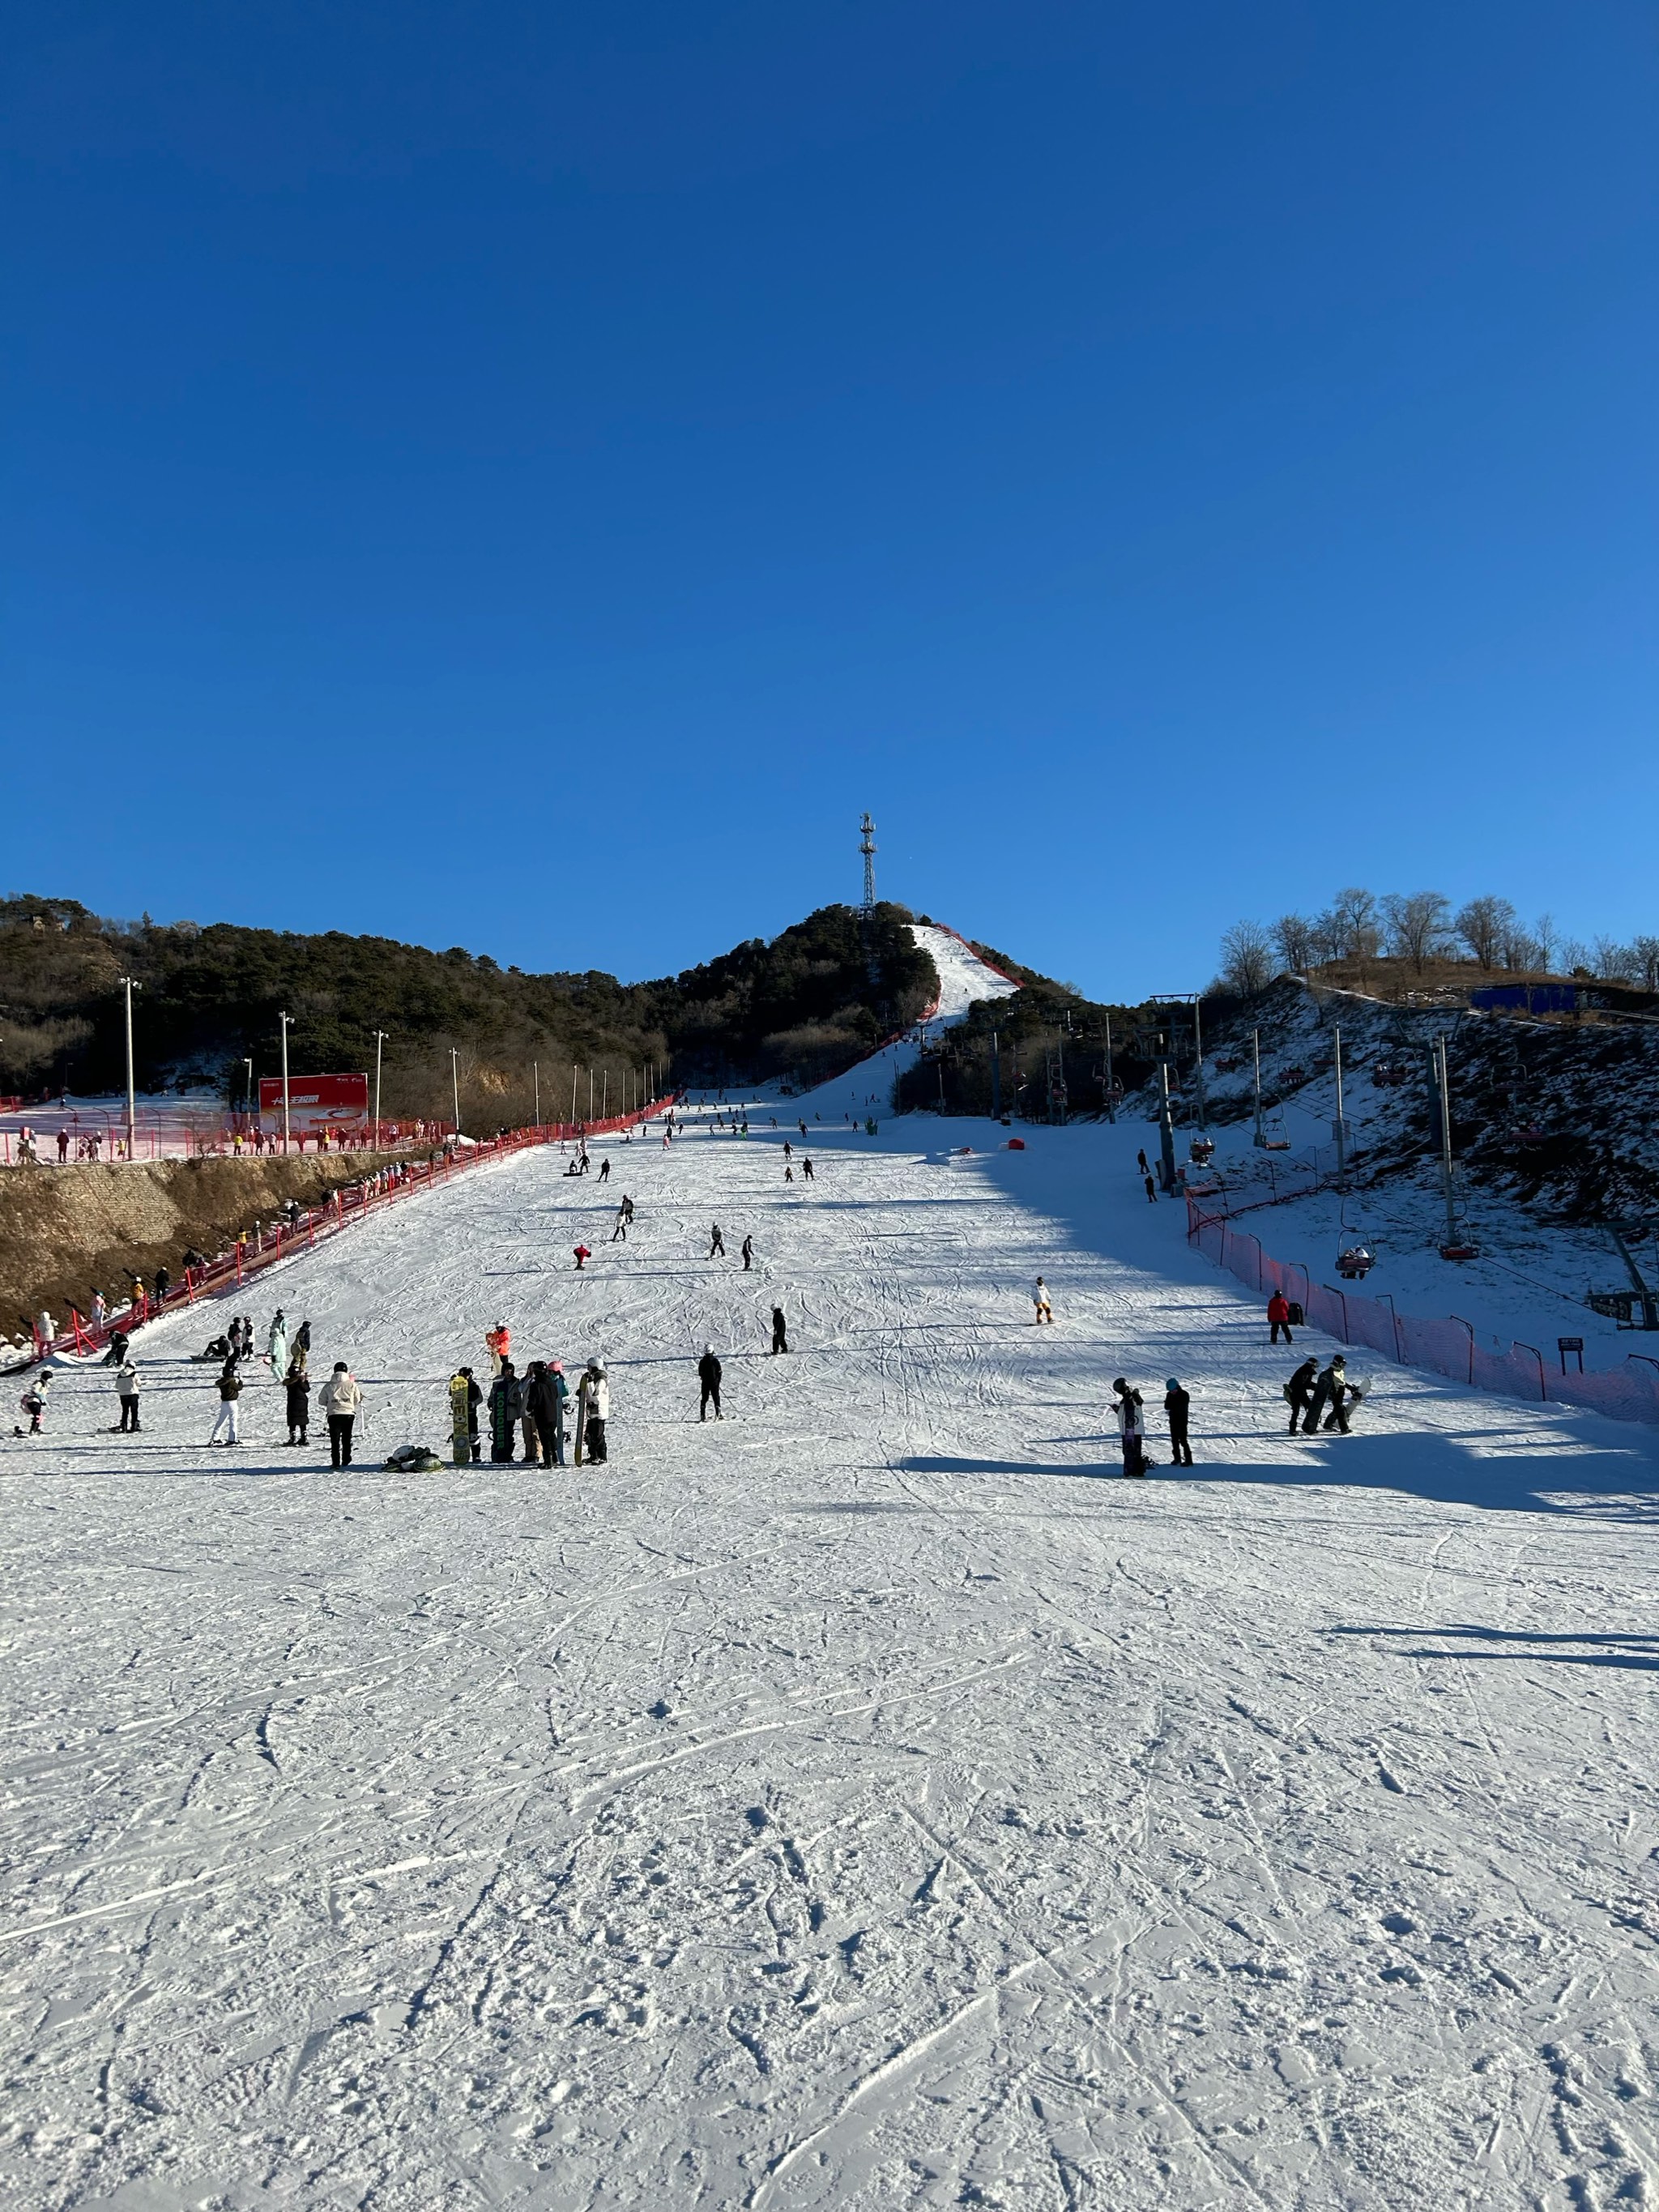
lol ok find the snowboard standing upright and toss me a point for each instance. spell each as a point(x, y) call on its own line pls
point(460, 1421)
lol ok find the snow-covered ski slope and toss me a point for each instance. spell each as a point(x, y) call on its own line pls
point(870, 1801)
point(865, 1091)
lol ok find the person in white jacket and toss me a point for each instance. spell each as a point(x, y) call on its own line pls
point(128, 1385)
point(1040, 1300)
point(276, 1345)
point(341, 1397)
point(592, 1412)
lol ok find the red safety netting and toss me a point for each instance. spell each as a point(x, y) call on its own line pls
point(1447, 1346)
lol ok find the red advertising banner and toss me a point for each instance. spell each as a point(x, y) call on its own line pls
point(314, 1102)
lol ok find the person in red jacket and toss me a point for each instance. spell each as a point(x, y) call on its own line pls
point(583, 1255)
point(1279, 1316)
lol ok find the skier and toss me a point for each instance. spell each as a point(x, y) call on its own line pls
point(1178, 1403)
point(1040, 1300)
point(787, 1148)
point(604, 1169)
point(544, 1404)
point(779, 1338)
point(529, 1395)
point(505, 1405)
point(582, 1256)
point(806, 1169)
point(498, 1342)
point(788, 1173)
point(297, 1383)
point(1131, 1427)
point(708, 1375)
point(465, 1400)
point(340, 1396)
point(276, 1345)
point(1141, 1161)
point(1298, 1391)
point(748, 1253)
point(593, 1411)
point(230, 1390)
point(1151, 1192)
point(1279, 1316)
point(716, 1242)
point(128, 1385)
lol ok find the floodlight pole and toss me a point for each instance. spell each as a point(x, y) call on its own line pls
point(536, 1078)
point(1255, 1050)
point(132, 1102)
point(284, 1019)
point(380, 1035)
point(1166, 1127)
point(455, 1083)
point(1342, 1140)
point(1444, 1076)
point(1198, 1069)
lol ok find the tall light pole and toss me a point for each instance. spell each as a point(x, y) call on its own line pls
point(284, 1019)
point(590, 1094)
point(247, 1096)
point(1255, 1050)
point(536, 1078)
point(380, 1036)
point(1198, 1049)
point(128, 987)
point(1111, 1078)
point(455, 1084)
point(604, 1095)
point(1340, 1133)
point(573, 1094)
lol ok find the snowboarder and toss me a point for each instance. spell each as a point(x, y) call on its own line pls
point(1131, 1427)
point(230, 1390)
point(1279, 1316)
point(302, 1342)
point(545, 1400)
point(1298, 1391)
point(748, 1254)
point(621, 1228)
point(465, 1400)
point(505, 1405)
point(716, 1242)
point(582, 1256)
point(788, 1173)
point(806, 1169)
point(1349, 1400)
point(1332, 1390)
point(1141, 1161)
point(708, 1375)
point(297, 1384)
point(33, 1403)
point(128, 1385)
point(780, 1336)
point(498, 1342)
point(117, 1348)
point(604, 1170)
point(593, 1411)
point(1177, 1404)
point(342, 1395)
point(1151, 1192)
point(1040, 1300)
point(789, 1148)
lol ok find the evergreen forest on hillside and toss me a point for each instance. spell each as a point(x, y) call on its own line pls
point(812, 999)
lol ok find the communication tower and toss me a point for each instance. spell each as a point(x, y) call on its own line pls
point(867, 847)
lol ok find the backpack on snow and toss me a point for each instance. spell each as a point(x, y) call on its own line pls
point(414, 1459)
point(1297, 1318)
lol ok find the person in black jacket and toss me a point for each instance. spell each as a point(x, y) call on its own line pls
point(506, 1406)
point(1178, 1403)
point(779, 1331)
point(1299, 1391)
point(298, 1385)
point(708, 1375)
point(545, 1395)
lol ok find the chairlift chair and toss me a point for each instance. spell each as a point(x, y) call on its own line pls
point(1202, 1150)
point(1354, 1263)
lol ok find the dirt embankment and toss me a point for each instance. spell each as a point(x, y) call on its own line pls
point(66, 1231)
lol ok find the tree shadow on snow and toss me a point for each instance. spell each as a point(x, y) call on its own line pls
point(1639, 1652)
point(1598, 1483)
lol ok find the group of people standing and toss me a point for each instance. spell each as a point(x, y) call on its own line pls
point(529, 1409)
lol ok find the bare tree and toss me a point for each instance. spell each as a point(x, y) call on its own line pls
point(1485, 925)
point(1354, 924)
point(1544, 936)
point(1293, 939)
point(1419, 925)
point(1246, 959)
point(1574, 955)
point(1646, 950)
point(1614, 962)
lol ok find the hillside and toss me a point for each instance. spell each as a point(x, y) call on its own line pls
point(809, 1001)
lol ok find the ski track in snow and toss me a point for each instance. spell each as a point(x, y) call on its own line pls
point(870, 1801)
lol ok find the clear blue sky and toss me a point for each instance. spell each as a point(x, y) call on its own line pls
point(527, 476)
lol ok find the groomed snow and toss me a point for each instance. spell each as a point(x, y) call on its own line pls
point(871, 1801)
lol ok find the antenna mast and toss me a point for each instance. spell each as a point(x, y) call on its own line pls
point(867, 847)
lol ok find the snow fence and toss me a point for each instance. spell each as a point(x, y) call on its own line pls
point(1450, 1346)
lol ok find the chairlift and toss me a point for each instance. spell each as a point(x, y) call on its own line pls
point(1389, 1075)
point(1273, 1137)
point(1202, 1150)
point(1354, 1263)
point(1293, 1078)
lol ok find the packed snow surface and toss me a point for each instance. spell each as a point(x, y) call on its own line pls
point(870, 1800)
